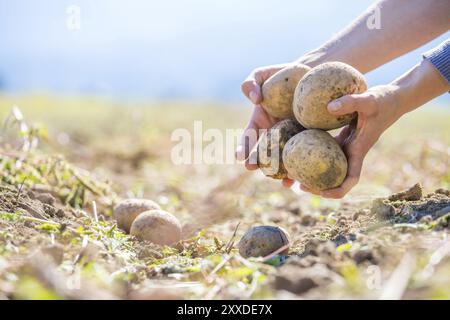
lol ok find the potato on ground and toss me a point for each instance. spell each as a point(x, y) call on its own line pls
point(314, 158)
point(270, 147)
point(127, 210)
point(157, 226)
point(319, 87)
point(278, 90)
point(261, 241)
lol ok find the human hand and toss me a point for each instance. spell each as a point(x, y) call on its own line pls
point(377, 110)
point(259, 119)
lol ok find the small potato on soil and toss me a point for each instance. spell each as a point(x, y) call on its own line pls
point(315, 159)
point(319, 87)
point(278, 90)
point(157, 226)
point(271, 145)
point(127, 210)
point(261, 241)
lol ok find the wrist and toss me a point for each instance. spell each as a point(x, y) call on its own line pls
point(399, 101)
point(418, 86)
point(313, 58)
point(329, 54)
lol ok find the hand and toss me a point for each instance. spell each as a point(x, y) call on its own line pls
point(260, 119)
point(377, 110)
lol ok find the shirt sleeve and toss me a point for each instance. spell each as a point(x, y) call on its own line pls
point(440, 58)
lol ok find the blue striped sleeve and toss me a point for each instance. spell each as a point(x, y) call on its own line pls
point(440, 58)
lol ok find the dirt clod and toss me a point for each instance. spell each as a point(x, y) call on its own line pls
point(297, 285)
point(55, 251)
point(46, 198)
point(412, 194)
point(382, 209)
point(299, 280)
point(411, 206)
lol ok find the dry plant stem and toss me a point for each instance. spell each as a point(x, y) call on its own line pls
point(230, 243)
point(273, 254)
point(19, 192)
point(224, 261)
point(83, 248)
point(398, 282)
point(94, 210)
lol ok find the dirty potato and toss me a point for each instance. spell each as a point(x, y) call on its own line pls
point(270, 147)
point(261, 241)
point(315, 159)
point(127, 210)
point(278, 90)
point(319, 87)
point(157, 226)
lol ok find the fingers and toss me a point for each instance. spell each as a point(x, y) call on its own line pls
point(352, 179)
point(287, 183)
point(251, 163)
point(252, 90)
point(345, 105)
point(354, 171)
point(309, 190)
point(251, 87)
point(342, 137)
point(260, 119)
point(347, 134)
point(248, 140)
point(340, 192)
point(364, 103)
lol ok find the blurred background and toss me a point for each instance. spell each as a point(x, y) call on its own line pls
point(195, 49)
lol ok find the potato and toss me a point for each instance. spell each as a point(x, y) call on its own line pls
point(157, 226)
point(261, 241)
point(278, 90)
point(315, 159)
point(127, 210)
point(270, 147)
point(319, 87)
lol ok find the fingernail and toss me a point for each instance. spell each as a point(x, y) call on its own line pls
point(253, 97)
point(334, 106)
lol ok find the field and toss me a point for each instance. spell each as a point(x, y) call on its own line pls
point(68, 161)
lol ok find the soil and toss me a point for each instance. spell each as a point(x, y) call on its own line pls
point(38, 205)
point(372, 236)
point(324, 251)
point(411, 206)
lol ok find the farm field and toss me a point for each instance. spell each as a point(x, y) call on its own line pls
point(68, 161)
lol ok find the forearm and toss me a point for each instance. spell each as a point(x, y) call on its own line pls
point(404, 26)
point(418, 86)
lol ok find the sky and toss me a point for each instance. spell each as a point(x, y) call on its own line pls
point(171, 49)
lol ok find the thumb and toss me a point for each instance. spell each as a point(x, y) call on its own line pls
point(346, 104)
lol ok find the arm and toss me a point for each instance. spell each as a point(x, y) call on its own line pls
point(378, 108)
point(404, 25)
